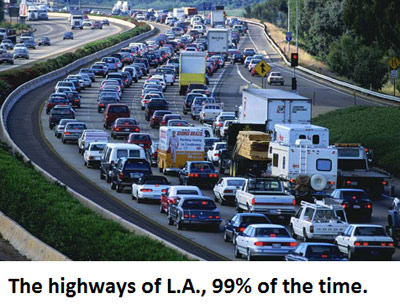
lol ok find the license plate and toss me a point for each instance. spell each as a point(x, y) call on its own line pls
point(374, 252)
point(127, 130)
point(276, 245)
point(356, 207)
point(202, 217)
point(354, 183)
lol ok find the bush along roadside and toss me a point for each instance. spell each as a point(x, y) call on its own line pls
point(50, 213)
point(11, 79)
point(373, 127)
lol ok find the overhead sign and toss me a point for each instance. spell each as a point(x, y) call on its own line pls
point(262, 68)
point(393, 74)
point(289, 36)
point(394, 63)
point(207, 6)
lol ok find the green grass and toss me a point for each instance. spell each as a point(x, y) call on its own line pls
point(235, 12)
point(376, 128)
point(50, 213)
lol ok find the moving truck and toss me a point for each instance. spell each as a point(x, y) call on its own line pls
point(217, 41)
point(177, 145)
point(192, 69)
point(190, 11)
point(178, 12)
point(272, 106)
point(76, 20)
point(217, 18)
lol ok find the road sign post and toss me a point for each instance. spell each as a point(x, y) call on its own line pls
point(393, 75)
point(394, 63)
point(262, 68)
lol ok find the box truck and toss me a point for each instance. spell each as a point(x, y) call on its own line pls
point(177, 145)
point(217, 18)
point(272, 106)
point(217, 41)
point(178, 12)
point(192, 69)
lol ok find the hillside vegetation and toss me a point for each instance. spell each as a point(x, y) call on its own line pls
point(354, 38)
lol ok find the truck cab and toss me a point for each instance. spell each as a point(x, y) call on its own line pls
point(76, 21)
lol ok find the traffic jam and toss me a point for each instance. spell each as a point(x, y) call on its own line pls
point(145, 123)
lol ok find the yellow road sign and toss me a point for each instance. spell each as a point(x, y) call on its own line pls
point(394, 63)
point(262, 68)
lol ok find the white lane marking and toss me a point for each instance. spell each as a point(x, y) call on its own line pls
point(258, 51)
point(217, 82)
point(241, 76)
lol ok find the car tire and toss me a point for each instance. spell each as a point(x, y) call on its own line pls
point(113, 186)
point(226, 237)
point(102, 175)
point(120, 189)
point(139, 200)
point(184, 112)
point(294, 235)
point(349, 254)
point(237, 253)
point(64, 141)
point(249, 256)
point(161, 209)
point(179, 224)
point(141, 107)
point(108, 179)
point(170, 220)
point(305, 237)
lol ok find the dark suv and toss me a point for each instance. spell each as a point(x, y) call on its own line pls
point(114, 111)
point(128, 171)
point(153, 105)
point(57, 113)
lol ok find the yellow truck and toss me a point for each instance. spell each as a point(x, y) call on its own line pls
point(177, 145)
point(192, 69)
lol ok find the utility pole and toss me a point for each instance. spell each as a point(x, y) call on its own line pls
point(288, 24)
point(297, 26)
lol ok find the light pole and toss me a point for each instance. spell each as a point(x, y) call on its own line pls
point(297, 26)
point(288, 24)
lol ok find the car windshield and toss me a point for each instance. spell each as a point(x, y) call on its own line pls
point(183, 192)
point(322, 251)
point(118, 109)
point(97, 147)
point(271, 232)
point(156, 181)
point(60, 111)
point(235, 183)
point(369, 231)
point(129, 122)
point(76, 126)
point(137, 166)
point(199, 204)
point(262, 185)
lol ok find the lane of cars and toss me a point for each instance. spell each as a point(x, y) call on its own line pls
point(131, 164)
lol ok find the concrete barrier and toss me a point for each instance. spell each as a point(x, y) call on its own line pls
point(321, 76)
point(27, 87)
point(27, 244)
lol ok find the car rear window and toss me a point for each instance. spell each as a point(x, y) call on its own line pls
point(156, 181)
point(76, 126)
point(235, 183)
point(124, 153)
point(140, 137)
point(369, 231)
point(321, 250)
point(271, 232)
point(199, 204)
point(183, 192)
point(137, 166)
point(97, 147)
point(201, 167)
point(254, 220)
point(60, 111)
point(118, 109)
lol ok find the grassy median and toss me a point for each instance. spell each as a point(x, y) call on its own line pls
point(376, 128)
point(49, 212)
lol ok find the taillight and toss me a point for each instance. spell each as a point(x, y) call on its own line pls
point(186, 215)
point(259, 244)
point(193, 216)
point(241, 229)
point(121, 175)
point(213, 175)
point(369, 206)
point(164, 190)
point(344, 205)
point(357, 244)
point(193, 175)
point(91, 157)
point(228, 191)
point(67, 133)
point(331, 182)
point(216, 154)
point(253, 201)
point(146, 190)
point(384, 183)
point(294, 202)
point(292, 244)
point(116, 129)
point(348, 182)
point(219, 124)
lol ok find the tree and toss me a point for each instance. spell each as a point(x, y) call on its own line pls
point(1, 10)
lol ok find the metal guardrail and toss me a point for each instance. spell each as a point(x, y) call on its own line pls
point(321, 76)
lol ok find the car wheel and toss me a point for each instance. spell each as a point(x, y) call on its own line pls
point(161, 209)
point(170, 220)
point(119, 188)
point(139, 200)
point(102, 175)
point(249, 256)
point(294, 235)
point(226, 237)
point(179, 224)
point(113, 186)
point(184, 112)
point(142, 108)
point(305, 237)
point(108, 178)
point(237, 253)
point(64, 141)
point(349, 254)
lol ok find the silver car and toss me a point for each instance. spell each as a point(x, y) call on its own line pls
point(72, 131)
point(264, 240)
point(59, 129)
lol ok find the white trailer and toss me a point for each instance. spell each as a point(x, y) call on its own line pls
point(273, 106)
point(217, 41)
point(179, 12)
point(302, 150)
point(217, 18)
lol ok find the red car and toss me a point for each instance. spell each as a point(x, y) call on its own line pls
point(56, 99)
point(157, 117)
point(123, 127)
point(114, 111)
point(168, 117)
point(141, 139)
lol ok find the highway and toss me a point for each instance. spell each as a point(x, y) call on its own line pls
point(32, 134)
point(54, 29)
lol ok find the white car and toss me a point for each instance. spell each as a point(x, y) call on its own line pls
point(146, 99)
point(199, 28)
point(91, 135)
point(87, 23)
point(150, 187)
point(140, 17)
point(161, 79)
point(253, 63)
point(213, 153)
point(174, 193)
point(264, 240)
point(275, 77)
point(219, 121)
point(225, 189)
point(223, 131)
point(365, 241)
point(92, 155)
point(209, 112)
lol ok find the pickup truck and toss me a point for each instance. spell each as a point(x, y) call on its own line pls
point(393, 227)
point(320, 221)
point(265, 195)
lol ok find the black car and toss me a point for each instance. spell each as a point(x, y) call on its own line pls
point(198, 173)
point(57, 113)
point(237, 57)
point(105, 100)
point(239, 222)
point(7, 57)
point(68, 35)
point(105, 22)
point(74, 99)
point(99, 70)
point(44, 41)
point(249, 52)
point(355, 201)
point(153, 105)
point(316, 252)
point(194, 210)
point(128, 171)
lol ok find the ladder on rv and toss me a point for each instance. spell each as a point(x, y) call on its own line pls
point(303, 159)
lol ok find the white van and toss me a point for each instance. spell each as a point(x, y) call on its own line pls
point(113, 151)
